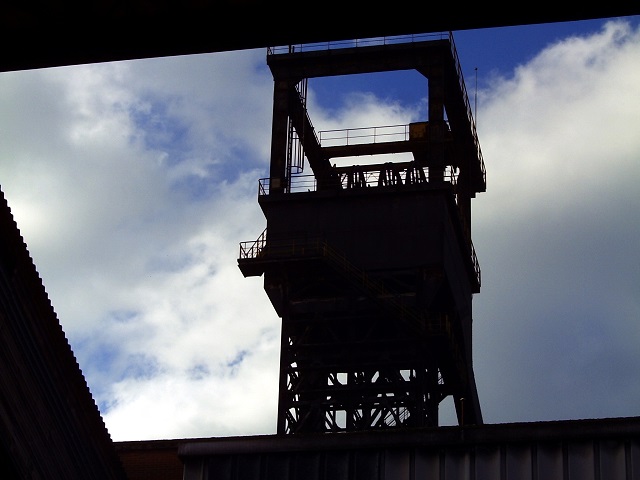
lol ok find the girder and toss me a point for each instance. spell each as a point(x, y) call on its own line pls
point(48, 32)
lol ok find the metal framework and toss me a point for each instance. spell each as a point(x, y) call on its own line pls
point(371, 268)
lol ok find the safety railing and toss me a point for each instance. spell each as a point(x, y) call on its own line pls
point(364, 135)
point(258, 248)
point(463, 88)
point(253, 249)
point(301, 97)
point(362, 178)
point(476, 263)
point(358, 42)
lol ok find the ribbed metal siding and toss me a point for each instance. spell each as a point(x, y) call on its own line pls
point(579, 460)
point(50, 425)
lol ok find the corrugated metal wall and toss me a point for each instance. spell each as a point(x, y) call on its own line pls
point(580, 458)
point(607, 460)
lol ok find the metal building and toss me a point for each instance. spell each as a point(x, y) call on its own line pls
point(601, 449)
point(370, 264)
point(50, 426)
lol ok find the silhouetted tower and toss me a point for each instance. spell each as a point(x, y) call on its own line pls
point(371, 267)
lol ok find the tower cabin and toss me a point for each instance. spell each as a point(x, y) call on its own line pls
point(371, 266)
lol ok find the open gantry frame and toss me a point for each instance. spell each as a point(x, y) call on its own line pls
point(371, 267)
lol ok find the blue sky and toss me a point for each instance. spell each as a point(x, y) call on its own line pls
point(133, 184)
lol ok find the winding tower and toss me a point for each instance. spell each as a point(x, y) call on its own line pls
point(370, 265)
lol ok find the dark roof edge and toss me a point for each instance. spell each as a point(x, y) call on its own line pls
point(547, 431)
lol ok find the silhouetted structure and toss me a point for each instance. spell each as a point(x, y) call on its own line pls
point(371, 266)
point(72, 32)
point(50, 426)
point(563, 450)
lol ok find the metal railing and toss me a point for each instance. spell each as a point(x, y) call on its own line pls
point(354, 43)
point(463, 88)
point(364, 135)
point(258, 248)
point(303, 101)
point(366, 178)
point(476, 263)
point(253, 249)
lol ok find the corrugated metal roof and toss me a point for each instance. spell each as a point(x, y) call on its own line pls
point(50, 425)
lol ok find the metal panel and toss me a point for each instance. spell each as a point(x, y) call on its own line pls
point(581, 461)
point(397, 464)
point(427, 465)
point(218, 468)
point(584, 460)
point(366, 465)
point(194, 470)
point(306, 466)
point(518, 464)
point(248, 468)
point(586, 450)
point(612, 459)
point(336, 466)
point(549, 460)
point(633, 460)
point(457, 465)
point(487, 463)
point(277, 466)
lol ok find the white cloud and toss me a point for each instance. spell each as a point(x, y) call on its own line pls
point(555, 233)
point(561, 118)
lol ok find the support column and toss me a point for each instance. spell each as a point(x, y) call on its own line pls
point(437, 126)
point(279, 132)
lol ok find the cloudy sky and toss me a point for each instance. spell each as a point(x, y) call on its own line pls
point(134, 182)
